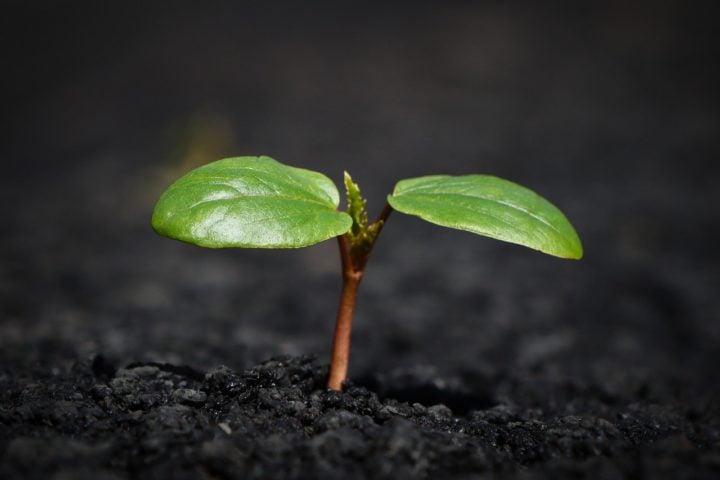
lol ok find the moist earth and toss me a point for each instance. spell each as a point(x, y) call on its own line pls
point(277, 420)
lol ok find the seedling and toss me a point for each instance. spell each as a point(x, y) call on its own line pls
point(257, 202)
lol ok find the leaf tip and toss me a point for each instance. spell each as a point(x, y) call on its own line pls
point(347, 180)
point(579, 252)
point(574, 249)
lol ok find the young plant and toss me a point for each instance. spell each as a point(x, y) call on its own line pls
point(257, 202)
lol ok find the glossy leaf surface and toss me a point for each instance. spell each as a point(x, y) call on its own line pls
point(253, 202)
point(489, 206)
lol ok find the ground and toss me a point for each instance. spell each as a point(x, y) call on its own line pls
point(127, 355)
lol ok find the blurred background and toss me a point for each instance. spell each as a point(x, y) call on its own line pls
point(610, 111)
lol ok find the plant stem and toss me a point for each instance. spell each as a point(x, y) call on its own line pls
point(353, 269)
point(343, 324)
point(384, 214)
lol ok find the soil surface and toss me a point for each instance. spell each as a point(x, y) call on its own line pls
point(124, 355)
point(276, 420)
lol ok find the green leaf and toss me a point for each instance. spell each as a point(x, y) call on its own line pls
point(489, 206)
point(253, 202)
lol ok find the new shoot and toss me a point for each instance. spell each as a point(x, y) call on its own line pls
point(257, 202)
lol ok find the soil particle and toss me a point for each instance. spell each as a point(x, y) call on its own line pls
point(189, 396)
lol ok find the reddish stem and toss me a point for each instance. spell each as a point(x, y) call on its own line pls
point(384, 216)
point(353, 268)
point(343, 324)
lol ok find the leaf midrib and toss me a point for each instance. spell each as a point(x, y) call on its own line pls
point(479, 197)
point(428, 197)
point(314, 213)
point(240, 194)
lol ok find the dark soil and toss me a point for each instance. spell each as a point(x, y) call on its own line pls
point(153, 420)
point(471, 358)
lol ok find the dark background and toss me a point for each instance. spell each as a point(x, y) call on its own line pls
point(610, 111)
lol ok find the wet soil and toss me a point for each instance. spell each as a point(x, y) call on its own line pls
point(276, 420)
